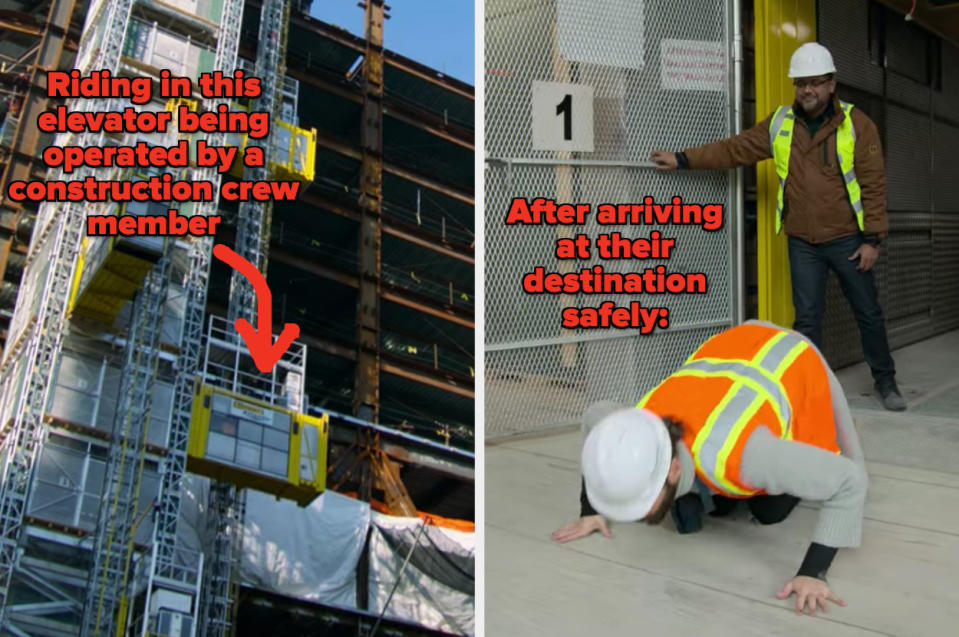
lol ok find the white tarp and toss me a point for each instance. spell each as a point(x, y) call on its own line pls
point(437, 587)
point(310, 552)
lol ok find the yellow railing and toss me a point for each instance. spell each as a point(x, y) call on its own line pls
point(237, 439)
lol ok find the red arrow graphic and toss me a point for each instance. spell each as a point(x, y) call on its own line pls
point(264, 351)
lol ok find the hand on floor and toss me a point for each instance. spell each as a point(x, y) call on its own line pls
point(809, 592)
point(581, 528)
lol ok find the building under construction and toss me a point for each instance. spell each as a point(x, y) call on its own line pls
point(154, 481)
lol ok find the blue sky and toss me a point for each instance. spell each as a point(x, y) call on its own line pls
point(437, 33)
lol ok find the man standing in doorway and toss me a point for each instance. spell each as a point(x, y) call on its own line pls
point(831, 201)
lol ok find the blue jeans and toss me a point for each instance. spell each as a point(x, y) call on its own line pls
point(809, 264)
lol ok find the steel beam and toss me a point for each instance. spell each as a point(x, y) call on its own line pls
point(395, 109)
point(404, 173)
point(20, 22)
point(454, 386)
point(394, 60)
point(422, 120)
point(393, 228)
point(24, 146)
point(366, 397)
point(405, 298)
point(313, 267)
point(448, 385)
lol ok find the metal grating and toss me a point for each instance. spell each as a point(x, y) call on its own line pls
point(946, 101)
point(919, 264)
point(908, 284)
point(535, 388)
point(945, 168)
point(945, 271)
point(539, 375)
point(908, 157)
point(906, 91)
point(905, 293)
point(844, 30)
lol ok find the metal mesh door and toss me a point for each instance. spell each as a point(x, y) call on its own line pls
point(539, 375)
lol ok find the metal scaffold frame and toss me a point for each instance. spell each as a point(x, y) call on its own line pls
point(120, 582)
point(32, 361)
point(172, 567)
point(106, 608)
point(227, 503)
point(366, 400)
point(23, 435)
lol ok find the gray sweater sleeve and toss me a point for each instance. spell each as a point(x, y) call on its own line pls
point(810, 473)
point(799, 469)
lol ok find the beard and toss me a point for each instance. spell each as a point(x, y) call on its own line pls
point(813, 103)
point(657, 515)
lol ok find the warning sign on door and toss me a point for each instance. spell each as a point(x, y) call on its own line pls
point(693, 65)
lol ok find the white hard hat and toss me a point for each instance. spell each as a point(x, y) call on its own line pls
point(625, 463)
point(810, 60)
point(596, 412)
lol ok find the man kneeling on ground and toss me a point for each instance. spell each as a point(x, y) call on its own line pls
point(754, 414)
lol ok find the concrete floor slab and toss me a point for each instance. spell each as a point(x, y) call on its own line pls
point(722, 581)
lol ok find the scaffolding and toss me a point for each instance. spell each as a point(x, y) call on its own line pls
point(39, 338)
point(52, 274)
point(227, 503)
point(172, 592)
point(107, 600)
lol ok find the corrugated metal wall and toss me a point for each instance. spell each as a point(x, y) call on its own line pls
point(907, 81)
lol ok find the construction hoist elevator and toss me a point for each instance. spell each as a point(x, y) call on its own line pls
point(142, 578)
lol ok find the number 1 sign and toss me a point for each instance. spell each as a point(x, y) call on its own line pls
point(562, 117)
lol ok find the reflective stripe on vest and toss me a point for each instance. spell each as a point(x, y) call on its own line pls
point(780, 142)
point(754, 382)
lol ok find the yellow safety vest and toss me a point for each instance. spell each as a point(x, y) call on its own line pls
point(780, 140)
point(747, 377)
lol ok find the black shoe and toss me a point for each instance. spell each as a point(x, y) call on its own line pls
point(891, 398)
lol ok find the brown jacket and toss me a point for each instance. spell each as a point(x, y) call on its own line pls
point(817, 207)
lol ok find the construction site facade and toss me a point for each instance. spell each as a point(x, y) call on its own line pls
point(155, 481)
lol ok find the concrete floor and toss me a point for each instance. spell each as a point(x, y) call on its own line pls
point(723, 580)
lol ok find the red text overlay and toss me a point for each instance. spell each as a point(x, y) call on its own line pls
point(597, 275)
point(151, 141)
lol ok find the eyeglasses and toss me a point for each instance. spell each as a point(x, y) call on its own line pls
point(803, 82)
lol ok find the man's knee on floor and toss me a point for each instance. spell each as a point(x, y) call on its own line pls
point(687, 512)
point(769, 517)
point(772, 509)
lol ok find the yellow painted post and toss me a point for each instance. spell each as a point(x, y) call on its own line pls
point(122, 615)
point(780, 27)
point(199, 421)
point(77, 275)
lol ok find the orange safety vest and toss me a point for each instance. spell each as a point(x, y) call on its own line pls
point(747, 377)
